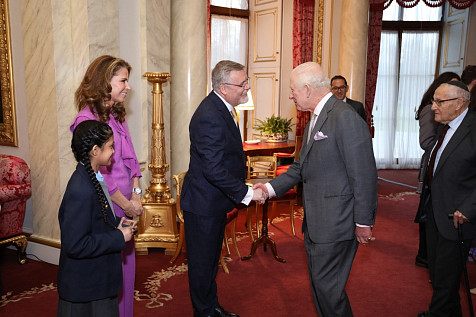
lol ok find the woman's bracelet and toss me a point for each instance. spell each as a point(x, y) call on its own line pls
point(130, 209)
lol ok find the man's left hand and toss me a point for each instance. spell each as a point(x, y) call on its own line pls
point(459, 218)
point(364, 234)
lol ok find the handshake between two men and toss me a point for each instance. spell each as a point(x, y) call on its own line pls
point(260, 193)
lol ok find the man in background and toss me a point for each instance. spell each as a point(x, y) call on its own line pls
point(340, 88)
point(450, 186)
point(468, 77)
point(337, 167)
point(214, 183)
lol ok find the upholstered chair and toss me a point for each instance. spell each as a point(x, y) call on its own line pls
point(15, 189)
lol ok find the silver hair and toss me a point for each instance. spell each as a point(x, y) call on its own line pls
point(221, 72)
point(462, 93)
point(307, 74)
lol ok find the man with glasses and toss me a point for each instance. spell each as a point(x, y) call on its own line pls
point(450, 189)
point(339, 89)
point(214, 183)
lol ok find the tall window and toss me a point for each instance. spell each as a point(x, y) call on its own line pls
point(228, 32)
point(407, 66)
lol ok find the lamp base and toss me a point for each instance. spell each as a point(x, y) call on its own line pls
point(157, 228)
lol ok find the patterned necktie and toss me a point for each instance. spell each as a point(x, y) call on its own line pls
point(431, 163)
point(235, 118)
point(311, 126)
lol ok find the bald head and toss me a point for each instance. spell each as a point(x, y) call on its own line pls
point(449, 101)
point(308, 86)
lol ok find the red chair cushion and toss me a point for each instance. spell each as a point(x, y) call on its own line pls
point(281, 169)
point(284, 155)
point(231, 215)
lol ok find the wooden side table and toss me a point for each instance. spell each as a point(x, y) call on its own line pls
point(264, 238)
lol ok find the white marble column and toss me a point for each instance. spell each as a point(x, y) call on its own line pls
point(59, 38)
point(189, 73)
point(353, 46)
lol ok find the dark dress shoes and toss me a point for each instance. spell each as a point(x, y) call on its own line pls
point(221, 312)
point(425, 313)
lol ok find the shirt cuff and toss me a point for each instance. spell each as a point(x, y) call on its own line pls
point(270, 189)
point(362, 226)
point(248, 197)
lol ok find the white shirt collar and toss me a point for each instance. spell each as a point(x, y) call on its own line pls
point(99, 176)
point(454, 124)
point(230, 107)
point(321, 104)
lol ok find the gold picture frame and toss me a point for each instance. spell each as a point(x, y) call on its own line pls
point(8, 121)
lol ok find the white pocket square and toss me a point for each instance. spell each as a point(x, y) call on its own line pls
point(319, 136)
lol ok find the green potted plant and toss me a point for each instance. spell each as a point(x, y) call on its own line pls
point(275, 128)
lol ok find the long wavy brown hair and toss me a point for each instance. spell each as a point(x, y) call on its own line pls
point(95, 88)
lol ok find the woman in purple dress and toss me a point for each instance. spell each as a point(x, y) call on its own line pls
point(100, 96)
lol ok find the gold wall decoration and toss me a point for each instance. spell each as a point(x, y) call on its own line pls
point(318, 32)
point(158, 224)
point(8, 121)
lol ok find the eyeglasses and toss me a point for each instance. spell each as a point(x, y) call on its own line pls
point(338, 88)
point(439, 102)
point(242, 85)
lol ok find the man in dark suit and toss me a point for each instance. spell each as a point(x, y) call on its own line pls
point(340, 88)
point(214, 183)
point(450, 188)
point(337, 167)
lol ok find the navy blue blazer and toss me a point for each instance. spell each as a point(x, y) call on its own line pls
point(215, 181)
point(90, 265)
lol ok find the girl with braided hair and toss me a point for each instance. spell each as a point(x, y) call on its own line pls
point(92, 236)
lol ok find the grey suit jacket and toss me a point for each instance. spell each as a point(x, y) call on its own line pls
point(339, 175)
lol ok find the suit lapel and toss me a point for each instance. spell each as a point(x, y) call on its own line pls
point(464, 128)
point(223, 110)
point(317, 127)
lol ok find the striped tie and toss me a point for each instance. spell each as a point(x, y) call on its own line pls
point(235, 118)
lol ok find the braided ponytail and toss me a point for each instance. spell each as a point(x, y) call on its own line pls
point(86, 135)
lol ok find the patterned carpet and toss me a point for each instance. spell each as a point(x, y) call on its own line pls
point(384, 280)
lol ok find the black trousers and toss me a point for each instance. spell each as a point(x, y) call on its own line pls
point(446, 266)
point(203, 238)
point(108, 307)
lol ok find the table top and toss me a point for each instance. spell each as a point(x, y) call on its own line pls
point(263, 145)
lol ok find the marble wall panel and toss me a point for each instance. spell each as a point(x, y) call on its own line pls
point(189, 73)
point(156, 58)
point(103, 28)
point(42, 115)
point(353, 46)
point(66, 80)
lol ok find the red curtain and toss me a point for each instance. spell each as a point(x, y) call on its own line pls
point(373, 52)
point(303, 24)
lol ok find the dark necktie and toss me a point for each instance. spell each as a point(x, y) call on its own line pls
point(431, 163)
